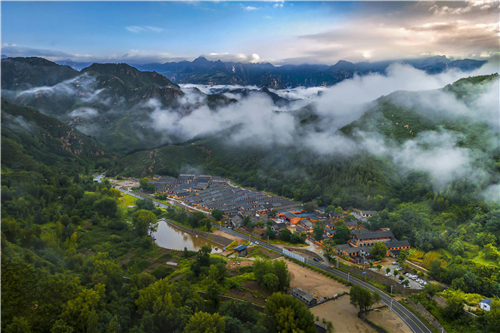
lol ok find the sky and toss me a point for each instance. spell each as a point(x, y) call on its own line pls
point(272, 31)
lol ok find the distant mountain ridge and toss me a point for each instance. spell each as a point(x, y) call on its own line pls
point(203, 71)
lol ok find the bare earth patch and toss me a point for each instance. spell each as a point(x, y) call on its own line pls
point(223, 234)
point(313, 282)
point(88, 253)
point(234, 265)
point(388, 320)
point(343, 316)
point(246, 295)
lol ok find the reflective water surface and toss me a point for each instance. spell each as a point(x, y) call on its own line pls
point(170, 237)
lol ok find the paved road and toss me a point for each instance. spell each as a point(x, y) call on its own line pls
point(415, 324)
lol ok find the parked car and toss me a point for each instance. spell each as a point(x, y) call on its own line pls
point(289, 249)
point(257, 243)
point(388, 274)
point(316, 259)
point(395, 262)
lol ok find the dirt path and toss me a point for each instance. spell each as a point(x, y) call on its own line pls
point(343, 316)
point(313, 282)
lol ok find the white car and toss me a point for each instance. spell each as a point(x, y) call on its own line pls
point(388, 274)
point(257, 243)
point(395, 262)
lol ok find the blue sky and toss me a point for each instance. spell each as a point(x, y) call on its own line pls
point(279, 32)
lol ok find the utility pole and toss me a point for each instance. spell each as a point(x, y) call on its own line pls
point(348, 274)
point(391, 290)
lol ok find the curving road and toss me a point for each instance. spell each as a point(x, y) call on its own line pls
point(415, 324)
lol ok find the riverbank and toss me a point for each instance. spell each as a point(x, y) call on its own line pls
point(214, 238)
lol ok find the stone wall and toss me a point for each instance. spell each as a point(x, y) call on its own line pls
point(382, 279)
point(426, 314)
point(441, 301)
point(223, 241)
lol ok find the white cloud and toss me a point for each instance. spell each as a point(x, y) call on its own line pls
point(137, 29)
point(250, 8)
point(278, 5)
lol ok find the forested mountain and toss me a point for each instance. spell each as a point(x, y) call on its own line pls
point(203, 71)
point(32, 141)
point(111, 102)
point(26, 73)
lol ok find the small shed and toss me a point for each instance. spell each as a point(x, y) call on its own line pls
point(242, 250)
point(304, 297)
point(485, 304)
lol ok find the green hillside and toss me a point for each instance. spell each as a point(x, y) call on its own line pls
point(33, 141)
point(26, 73)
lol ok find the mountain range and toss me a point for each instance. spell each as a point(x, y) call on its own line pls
point(203, 71)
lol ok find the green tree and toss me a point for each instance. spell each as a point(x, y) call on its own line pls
point(379, 267)
point(213, 294)
point(310, 206)
point(285, 234)
point(339, 210)
point(217, 214)
point(454, 307)
point(246, 220)
point(144, 222)
point(287, 314)
point(106, 207)
point(271, 282)
point(431, 289)
point(203, 322)
point(342, 234)
point(329, 209)
point(379, 250)
point(388, 270)
point(361, 298)
point(376, 297)
point(318, 231)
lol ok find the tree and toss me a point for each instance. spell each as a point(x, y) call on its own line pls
point(342, 235)
point(329, 209)
point(246, 220)
point(203, 322)
point(406, 282)
point(213, 294)
point(106, 207)
point(217, 214)
point(285, 313)
point(376, 297)
point(318, 231)
point(146, 204)
point(285, 234)
point(242, 310)
point(396, 272)
point(431, 289)
point(454, 307)
point(379, 250)
point(388, 270)
point(361, 298)
point(144, 222)
point(338, 210)
point(270, 282)
point(401, 278)
point(310, 206)
point(379, 267)
point(329, 246)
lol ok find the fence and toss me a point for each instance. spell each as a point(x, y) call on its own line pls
point(294, 255)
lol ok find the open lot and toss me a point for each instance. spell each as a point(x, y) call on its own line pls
point(388, 320)
point(313, 282)
point(343, 316)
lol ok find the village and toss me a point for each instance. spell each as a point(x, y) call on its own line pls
point(259, 209)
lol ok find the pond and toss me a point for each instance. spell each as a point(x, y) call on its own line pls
point(170, 237)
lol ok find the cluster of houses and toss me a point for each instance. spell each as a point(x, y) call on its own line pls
point(360, 245)
point(185, 185)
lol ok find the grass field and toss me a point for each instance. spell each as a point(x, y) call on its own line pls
point(127, 200)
